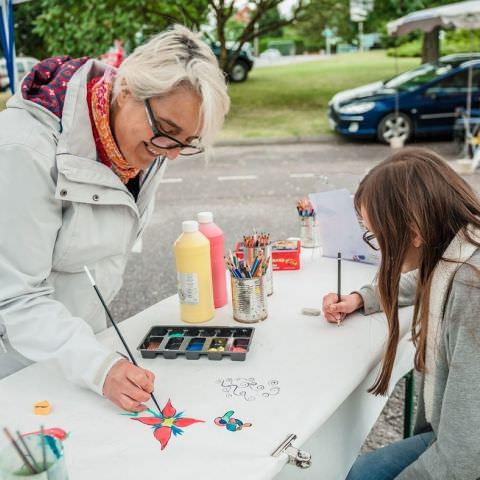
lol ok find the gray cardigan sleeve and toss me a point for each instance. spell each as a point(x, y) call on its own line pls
point(406, 297)
point(455, 455)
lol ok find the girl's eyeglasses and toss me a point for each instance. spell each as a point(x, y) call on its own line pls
point(162, 140)
point(371, 240)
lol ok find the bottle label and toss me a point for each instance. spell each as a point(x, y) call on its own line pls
point(187, 284)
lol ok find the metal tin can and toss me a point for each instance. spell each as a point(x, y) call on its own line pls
point(249, 299)
point(250, 253)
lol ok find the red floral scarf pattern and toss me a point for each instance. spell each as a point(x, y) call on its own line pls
point(99, 91)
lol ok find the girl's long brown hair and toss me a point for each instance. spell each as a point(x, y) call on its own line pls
point(414, 190)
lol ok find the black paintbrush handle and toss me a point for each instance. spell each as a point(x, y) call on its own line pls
point(19, 451)
point(29, 453)
point(119, 333)
point(132, 358)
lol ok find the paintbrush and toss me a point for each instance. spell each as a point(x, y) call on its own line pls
point(29, 453)
point(119, 333)
point(44, 451)
point(339, 281)
point(19, 451)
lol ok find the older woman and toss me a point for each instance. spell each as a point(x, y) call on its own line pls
point(82, 151)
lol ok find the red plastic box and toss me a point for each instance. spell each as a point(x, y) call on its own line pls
point(285, 254)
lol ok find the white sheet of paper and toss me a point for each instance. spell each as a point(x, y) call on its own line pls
point(306, 355)
point(339, 230)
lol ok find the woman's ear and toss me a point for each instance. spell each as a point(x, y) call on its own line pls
point(123, 95)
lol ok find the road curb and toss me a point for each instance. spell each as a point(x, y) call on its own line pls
point(280, 141)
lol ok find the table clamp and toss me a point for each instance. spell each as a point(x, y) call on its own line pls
point(299, 458)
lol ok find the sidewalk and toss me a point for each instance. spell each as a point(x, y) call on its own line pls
point(289, 60)
point(240, 142)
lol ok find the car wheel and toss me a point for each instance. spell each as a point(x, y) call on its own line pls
point(239, 72)
point(394, 125)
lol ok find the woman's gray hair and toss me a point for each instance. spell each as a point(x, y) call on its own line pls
point(178, 58)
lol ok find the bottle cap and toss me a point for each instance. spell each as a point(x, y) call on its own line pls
point(190, 226)
point(205, 217)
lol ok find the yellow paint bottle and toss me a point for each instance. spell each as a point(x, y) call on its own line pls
point(194, 274)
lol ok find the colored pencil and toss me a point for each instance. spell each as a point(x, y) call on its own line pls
point(305, 208)
point(243, 269)
point(44, 452)
point(19, 451)
point(256, 240)
point(29, 453)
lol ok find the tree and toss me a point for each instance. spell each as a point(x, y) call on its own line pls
point(320, 14)
point(27, 42)
point(272, 16)
point(224, 10)
point(89, 27)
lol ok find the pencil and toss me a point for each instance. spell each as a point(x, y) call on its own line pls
point(44, 452)
point(339, 280)
point(19, 451)
point(115, 326)
point(29, 453)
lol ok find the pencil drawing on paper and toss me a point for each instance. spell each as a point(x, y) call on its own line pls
point(249, 388)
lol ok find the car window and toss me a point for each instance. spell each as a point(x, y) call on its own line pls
point(456, 84)
point(412, 79)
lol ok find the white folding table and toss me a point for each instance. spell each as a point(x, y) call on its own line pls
point(322, 372)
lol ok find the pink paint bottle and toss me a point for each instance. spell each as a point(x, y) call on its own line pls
point(217, 251)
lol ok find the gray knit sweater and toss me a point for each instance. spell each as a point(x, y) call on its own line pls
point(455, 452)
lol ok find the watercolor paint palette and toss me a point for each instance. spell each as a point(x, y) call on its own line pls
point(214, 342)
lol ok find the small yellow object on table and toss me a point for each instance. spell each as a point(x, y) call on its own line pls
point(42, 408)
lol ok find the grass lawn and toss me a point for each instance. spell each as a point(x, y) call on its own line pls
point(292, 100)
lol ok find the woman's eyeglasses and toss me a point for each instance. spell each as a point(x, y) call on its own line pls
point(162, 140)
point(371, 240)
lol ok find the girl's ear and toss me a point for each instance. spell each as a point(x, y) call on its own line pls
point(417, 241)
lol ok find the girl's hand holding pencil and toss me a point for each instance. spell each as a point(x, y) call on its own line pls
point(335, 311)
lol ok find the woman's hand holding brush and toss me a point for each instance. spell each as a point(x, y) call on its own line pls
point(128, 386)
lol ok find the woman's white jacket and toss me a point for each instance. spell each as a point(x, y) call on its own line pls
point(61, 209)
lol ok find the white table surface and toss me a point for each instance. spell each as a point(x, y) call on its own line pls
point(322, 370)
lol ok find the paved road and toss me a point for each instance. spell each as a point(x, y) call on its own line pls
point(246, 187)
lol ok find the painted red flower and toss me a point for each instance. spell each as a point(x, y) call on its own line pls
point(166, 423)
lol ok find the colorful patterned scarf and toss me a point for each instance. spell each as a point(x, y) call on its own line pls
point(46, 84)
point(99, 92)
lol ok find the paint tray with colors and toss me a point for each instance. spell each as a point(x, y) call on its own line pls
point(214, 342)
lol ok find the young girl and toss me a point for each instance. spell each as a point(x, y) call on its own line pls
point(425, 220)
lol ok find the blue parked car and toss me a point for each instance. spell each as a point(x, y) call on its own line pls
point(428, 99)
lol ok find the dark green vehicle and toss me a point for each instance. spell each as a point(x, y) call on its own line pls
point(243, 64)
